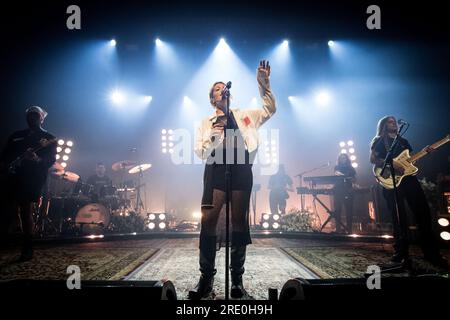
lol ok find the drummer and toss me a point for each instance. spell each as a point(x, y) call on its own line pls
point(99, 181)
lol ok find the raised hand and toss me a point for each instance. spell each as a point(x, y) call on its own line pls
point(264, 68)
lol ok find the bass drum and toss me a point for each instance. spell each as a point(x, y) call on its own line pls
point(93, 218)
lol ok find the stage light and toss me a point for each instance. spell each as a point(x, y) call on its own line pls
point(170, 150)
point(162, 225)
point(67, 150)
point(276, 217)
point(93, 236)
point(170, 131)
point(63, 164)
point(70, 143)
point(387, 236)
point(285, 43)
point(350, 143)
point(164, 144)
point(354, 235)
point(117, 97)
point(151, 226)
point(170, 144)
point(354, 165)
point(342, 144)
point(163, 131)
point(58, 149)
point(322, 98)
point(162, 216)
point(352, 157)
point(291, 98)
point(330, 43)
point(60, 142)
point(113, 42)
point(276, 225)
point(164, 150)
point(351, 150)
point(445, 235)
point(58, 156)
point(222, 41)
point(163, 138)
point(344, 151)
point(158, 42)
point(266, 216)
point(152, 216)
point(196, 215)
point(265, 225)
point(443, 222)
point(65, 158)
point(147, 99)
point(187, 101)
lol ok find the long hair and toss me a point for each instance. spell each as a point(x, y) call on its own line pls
point(381, 130)
point(347, 163)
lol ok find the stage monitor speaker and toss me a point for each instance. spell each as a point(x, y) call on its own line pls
point(418, 287)
point(151, 290)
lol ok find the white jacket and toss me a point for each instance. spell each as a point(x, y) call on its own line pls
point(248, 122)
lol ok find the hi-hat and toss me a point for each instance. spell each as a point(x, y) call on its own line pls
point(123, 165)
point(140, 168)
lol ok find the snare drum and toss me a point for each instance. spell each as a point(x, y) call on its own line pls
point(93, 218)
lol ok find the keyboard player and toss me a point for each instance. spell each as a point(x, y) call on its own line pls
point(343, 192)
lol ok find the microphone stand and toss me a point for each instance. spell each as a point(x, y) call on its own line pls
point(389, 162)
point(227, 198)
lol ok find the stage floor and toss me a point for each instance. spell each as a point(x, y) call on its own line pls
point(270, 261)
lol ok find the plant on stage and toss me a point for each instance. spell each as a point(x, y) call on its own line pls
point(298, 221)
point(431, 193)
point(129, 223)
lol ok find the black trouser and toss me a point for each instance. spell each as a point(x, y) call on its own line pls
point(411, 191)
point(344, 200)
point(277, 200)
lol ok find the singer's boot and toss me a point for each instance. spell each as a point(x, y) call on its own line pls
point(27, 249)
point(207, 262)
point(237, 270)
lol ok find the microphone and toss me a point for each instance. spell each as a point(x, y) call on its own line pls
point(226, 90)
point(402, 122)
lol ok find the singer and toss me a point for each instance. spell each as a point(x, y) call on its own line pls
point(210, 146)
point(409, 190)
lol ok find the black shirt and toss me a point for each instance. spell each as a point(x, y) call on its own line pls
point(381, 146)
point(30, 176)
point(98, 183)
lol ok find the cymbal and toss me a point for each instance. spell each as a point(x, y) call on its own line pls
point(70, 176)
point(140, 168)
point(123, 165)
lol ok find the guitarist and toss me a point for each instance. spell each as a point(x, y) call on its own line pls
point(25, 180)
point(409, 190)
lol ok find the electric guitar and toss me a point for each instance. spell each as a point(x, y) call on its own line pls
point(405, 161)
point(17, 162)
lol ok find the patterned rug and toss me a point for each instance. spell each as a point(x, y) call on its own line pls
point(352, 262)
point(95, 262)
point(265, 268)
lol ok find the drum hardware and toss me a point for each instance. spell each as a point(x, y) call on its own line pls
point(139, 169)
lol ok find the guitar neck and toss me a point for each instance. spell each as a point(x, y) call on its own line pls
point(424, 151)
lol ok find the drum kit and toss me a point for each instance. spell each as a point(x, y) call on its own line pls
point(83, 210)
